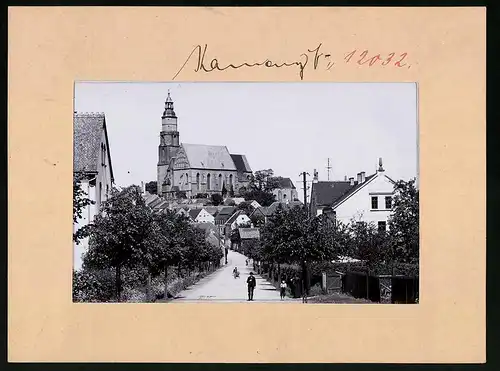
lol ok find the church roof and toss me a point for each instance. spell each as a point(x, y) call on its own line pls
point(87, 134)
point(241, 163)
point(201, 156)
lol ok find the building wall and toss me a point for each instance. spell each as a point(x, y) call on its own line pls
point(205, 217)
point(97, 192)
point(285, 194)
point(240, 219)
point(195, 181)
point(359, 205)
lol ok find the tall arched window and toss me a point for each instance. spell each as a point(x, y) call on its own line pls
point(198, 181)
point(187, 178)
point(231, 180)
point(208, 182)
point(220, 182)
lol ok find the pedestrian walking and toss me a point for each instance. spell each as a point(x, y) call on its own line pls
point(251, 286)
point(282, 289)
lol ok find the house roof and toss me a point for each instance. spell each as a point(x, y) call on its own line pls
point(249, 233)
point(333, 192)
point(234, 216)
point(241, 163)
point(226, 211)
point(201, 156)
point(212, 210)
point(155, 203)
point(285, 183)
point(193, 213)
point(87, 134)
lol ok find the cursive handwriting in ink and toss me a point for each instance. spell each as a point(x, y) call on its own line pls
point(202, 65)
point(320, 60)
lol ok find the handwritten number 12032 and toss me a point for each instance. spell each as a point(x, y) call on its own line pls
point(363, 58)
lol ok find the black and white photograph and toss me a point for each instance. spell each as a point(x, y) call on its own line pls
point(280, 193)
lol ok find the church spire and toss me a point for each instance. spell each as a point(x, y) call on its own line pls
point(169, 107)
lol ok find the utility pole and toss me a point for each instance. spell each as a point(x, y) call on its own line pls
point(328, 168)
point(304, 181)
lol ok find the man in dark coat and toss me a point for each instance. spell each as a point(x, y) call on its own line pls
point(251, 286)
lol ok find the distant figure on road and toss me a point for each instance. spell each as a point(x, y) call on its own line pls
point(246, 262)
point(282, 289)
point(236, 274)
point(251, 286)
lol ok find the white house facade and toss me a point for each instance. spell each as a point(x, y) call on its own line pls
point(204, 217)
point(92, 164)
point(367, 199)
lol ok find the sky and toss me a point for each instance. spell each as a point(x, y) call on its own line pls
point(287, 127)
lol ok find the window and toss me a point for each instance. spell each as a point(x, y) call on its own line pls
point(198, 181)
point(382, 226)
point(107, 191)
point(208, 181)
point(374, 202)
point(388, 202)
point(220, 182)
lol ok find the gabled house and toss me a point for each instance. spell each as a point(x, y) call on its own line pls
point(92, 165)
point(184, 211)
point(285, 190)
point(246, 236)
point(201, 216)
point(368, 198)
point(269, 211)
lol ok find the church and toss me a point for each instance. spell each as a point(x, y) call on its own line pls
point(193, 169)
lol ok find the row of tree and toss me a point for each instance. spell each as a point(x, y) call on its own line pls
point(293, 236)
point(128, 234)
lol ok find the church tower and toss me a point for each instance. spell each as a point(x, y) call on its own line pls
point(169, 141)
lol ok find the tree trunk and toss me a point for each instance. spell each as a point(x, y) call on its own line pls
point(279, 272)
point(305, 277)
point(165, 295)
point(179, 271)
point(149, 297)
point(118, 282)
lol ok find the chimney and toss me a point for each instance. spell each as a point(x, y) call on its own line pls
point(359, 178)
point(352, 181)
point(380, 167)
point(315, 178)
point(345, 178)
point(363, 178)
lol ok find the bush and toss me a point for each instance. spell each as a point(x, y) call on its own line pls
point(316, 290)
point(93, 285)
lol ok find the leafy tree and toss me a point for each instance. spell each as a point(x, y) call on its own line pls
point(181, 194)
point(80, 203)
point(216, 199)
point(404, 223)
point(292, 236)
point(258, 220)
point(122, 235)
point(245, 206)
point(152, 187)
point(260, 187)
point(171, 252)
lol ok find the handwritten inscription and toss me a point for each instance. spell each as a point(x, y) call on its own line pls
point(314, 58)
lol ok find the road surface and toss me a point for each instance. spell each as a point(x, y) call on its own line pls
point(221, 286)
